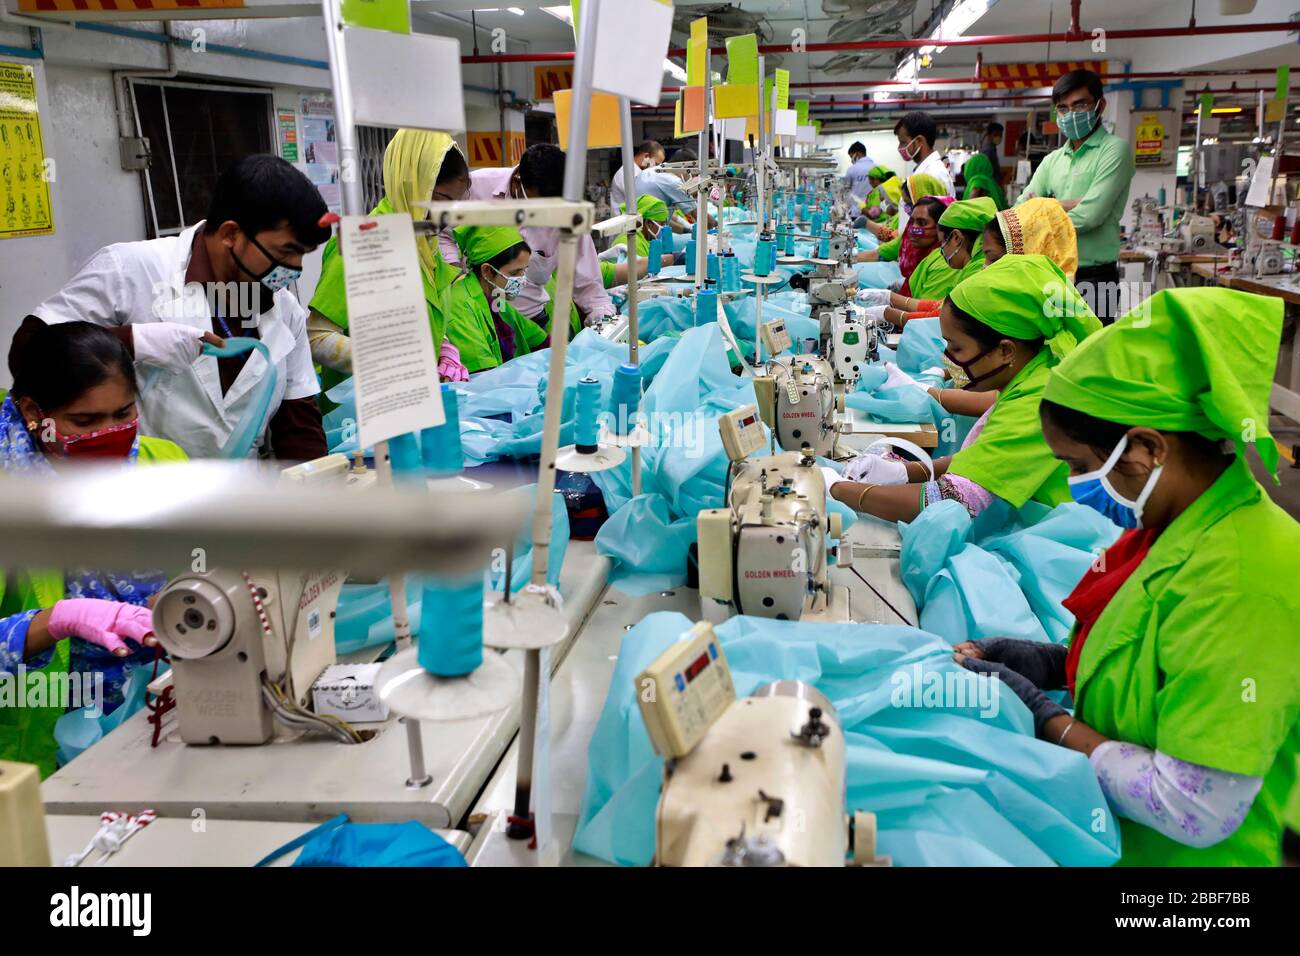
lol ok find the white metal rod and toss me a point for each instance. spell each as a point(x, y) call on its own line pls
point(629, 192)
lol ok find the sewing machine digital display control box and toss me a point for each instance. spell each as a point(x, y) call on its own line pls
point(776, 337)
point(742, 432)
point(684, 691)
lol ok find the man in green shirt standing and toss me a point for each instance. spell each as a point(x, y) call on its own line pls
point(1090, 175)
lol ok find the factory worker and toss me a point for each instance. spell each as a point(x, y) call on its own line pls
point(917, 188)
point(540, 174)
point(227, 275)
point(981, 181)
point(917, 133)
point(1036, 227)
point(648, 155)
point(654, 214)
point(73, 400)
point(482, 321)
point(419, 166)
point(1182, 663)
point(958, 255)
point(881, 206)
point(1005, 327)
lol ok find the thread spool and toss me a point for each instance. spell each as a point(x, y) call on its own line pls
point(586, 415)
point(1279, 227)
point(404, 456)
point(451, 625)
point(690, 257)
point(803, 212)
point(1160, 196)
point(654, 256)
point(712, 269)
point(1295, 232)
point(824, 247)
point(788, 248)
point(706, 306)
point(625, 397)
point(440, 449)
point(818, 221)
point(789, 207)
point(765, 255)
point(730, 271)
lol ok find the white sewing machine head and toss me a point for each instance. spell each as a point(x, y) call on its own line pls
point(767, 552)
point(848, 341)
point(796, 397)
point(752, 782)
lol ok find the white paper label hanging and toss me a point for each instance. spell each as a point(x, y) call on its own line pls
point(394, 363)
point(806, 134)
point(785, 122)
point(380, 70)
point(631, 44)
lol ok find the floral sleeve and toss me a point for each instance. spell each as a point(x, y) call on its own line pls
point(13, 641)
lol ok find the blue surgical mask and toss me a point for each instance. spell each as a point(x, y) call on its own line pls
point(513, 284)
point(1095, 490)
point(1077, 125)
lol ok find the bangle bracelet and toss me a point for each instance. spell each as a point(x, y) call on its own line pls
point(1060, 742)
point(863, 492)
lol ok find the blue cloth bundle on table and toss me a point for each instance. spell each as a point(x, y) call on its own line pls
point(921, 346)
point(1004, 573)
point(954, 779)
point(877, 275)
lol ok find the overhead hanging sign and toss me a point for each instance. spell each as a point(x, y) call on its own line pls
point(549, 78)
point(1010, 76)
point(117, 6)
point(25, 208)
point(380, 67)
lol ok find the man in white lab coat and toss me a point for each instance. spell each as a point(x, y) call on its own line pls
point(647, 156)
point(917, 133)
point(223, 277)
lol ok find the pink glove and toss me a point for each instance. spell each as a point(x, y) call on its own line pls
point(450, 368)
point(103, 623)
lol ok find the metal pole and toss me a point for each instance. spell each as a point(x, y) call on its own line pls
point(760, 173)
point(629, 191)
point(353, 201)
point(702, 197)
point(415, 748)
point(521, 826)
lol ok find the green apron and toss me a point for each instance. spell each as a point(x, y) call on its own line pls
point(1196, 656)
point(1010, 458)
point(471, 329)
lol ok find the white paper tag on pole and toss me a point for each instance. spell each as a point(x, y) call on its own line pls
point(541, 784)
point(1258, 195)
point(734, 129)
point(394, 363)
point(631, 44)
point(785, 122)
point(806, 134)
point(380, 70)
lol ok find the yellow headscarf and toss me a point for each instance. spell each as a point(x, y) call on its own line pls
point(411, 165)
point(1041, 227)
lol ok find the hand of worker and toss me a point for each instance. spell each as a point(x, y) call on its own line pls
point(667, 259)
point(873, 212)
point(170, 345)
point(874, 296)
point(897, 378)
point(1042, 662)
point(450, 368)
point(887, 234)
point(832, 478)
point(1068, 204)
point(1041, 707)
point(876, 313)
point(103, 623)
point(872, 468)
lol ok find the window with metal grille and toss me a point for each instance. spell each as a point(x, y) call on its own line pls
point(371, 143)
point(195, 131)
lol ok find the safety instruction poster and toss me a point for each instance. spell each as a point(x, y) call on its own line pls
point(1151, 138)
point(286, 124)
point(25, 208)
point(320, 148)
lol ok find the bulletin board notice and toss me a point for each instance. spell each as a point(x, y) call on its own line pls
point(25, 208)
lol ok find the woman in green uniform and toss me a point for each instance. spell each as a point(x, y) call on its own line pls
point(654, 213)
point(1183, 660)
point(419, 166)
point(981, 181)
point(1005, 328)
point(481, 322)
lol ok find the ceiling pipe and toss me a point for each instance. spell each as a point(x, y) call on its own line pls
point(907, 43)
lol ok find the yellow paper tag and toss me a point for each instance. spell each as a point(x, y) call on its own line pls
point(735, 100)
point(603, 127)
point(783, 89)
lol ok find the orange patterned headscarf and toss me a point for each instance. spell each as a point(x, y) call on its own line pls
point(1040, 227)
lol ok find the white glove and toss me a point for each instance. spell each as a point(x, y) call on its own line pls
point(832, 478)
point(874, 296)
point(870, 468)
point(169, 345)
point(900, 379)
point(876, 313)
point(896, 286)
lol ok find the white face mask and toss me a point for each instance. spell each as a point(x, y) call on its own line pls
point(513, 284)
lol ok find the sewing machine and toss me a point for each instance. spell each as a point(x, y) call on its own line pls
point(1258, 253)
point(797, 398)
point(767, 553)
point(752, 782)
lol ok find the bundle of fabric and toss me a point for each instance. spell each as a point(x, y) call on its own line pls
point(950, 766)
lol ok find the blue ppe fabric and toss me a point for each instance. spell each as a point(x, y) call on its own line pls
point(952, 783)
point(921, 346)
point(240, 442)
point(338, 842)
point(1003, 574)
point(78, 730)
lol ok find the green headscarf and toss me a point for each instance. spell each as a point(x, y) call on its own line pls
point(650, 207)
point(1186, 360)
point(479, 244)
point(972, 214)
point(920, 185)
point(1028, 297)
point(879, 173)
point(980, 174)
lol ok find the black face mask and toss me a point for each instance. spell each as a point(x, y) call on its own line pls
point(971, 380)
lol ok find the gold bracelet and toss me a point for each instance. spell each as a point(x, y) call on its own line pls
point(863, 492)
